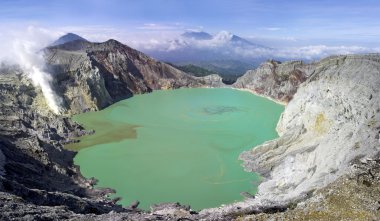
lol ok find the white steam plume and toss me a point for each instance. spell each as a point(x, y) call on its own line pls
point(24, 48)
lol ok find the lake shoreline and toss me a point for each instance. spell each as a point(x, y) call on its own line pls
point(212, 110)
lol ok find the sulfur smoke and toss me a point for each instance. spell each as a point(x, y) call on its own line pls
point(24, 49)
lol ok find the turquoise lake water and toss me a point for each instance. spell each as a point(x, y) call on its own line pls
point(177, 145)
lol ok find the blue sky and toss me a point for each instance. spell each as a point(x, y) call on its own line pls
point(349, 22)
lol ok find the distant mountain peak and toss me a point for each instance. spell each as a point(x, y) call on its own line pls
point(238, 39)
point(224, 36)
point(223, 52)
point(113, 42)
point(69, 37)
point(198, 35)
point(83, 45)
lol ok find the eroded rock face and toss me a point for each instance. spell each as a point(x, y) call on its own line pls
point(213, 80)
point(332, 121)
point(277, 80)
point(351, 197)
point(34, 167)
point(91, 76)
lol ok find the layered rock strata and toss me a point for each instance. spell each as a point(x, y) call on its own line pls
point(276, 80)
point(92, 76)
point(34, 167)
point(332, 121)
point(328, 146)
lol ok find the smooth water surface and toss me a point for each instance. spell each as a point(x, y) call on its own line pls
point(177, 146)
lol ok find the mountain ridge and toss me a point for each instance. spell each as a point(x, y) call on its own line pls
point(199, 35)
point(116, 70)
point(205, 50)
point(67, 38)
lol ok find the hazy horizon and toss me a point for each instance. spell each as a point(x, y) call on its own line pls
point(308, 28)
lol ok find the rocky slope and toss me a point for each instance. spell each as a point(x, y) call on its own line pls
point(91, 76)
point(353, 196)
point(34, 167)
point(329, 129)
point(276, 80)
point(332, 121)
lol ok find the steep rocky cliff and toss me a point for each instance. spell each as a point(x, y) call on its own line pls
point(34, 167)
point(91, 76)
point(329, 129)
point(276, 80)
point(332, 121)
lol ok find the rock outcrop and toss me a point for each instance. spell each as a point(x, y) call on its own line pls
point(332, 122)
point(328, 147)
point(34, 167)
point(276, 80)
point(353, 196)
point(213, 80)
point(91, 76)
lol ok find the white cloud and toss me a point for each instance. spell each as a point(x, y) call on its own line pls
point(310, 52)
point(196, 29)
point(23, 47)
point(221, 39)
point(221, 43)
point(319, 51)
point(95, 33)
point(160, 27)
point(273, 29)
point(145, 36)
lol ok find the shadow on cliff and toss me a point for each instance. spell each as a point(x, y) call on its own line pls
point(42, 184)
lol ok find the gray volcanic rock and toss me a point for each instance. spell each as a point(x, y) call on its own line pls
point(34, 165)
point(213, 80)
point(67, 38)
point(351, 197)
point(91, 76)
point(332, 121)
point(276, 80)
point(329, 145)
